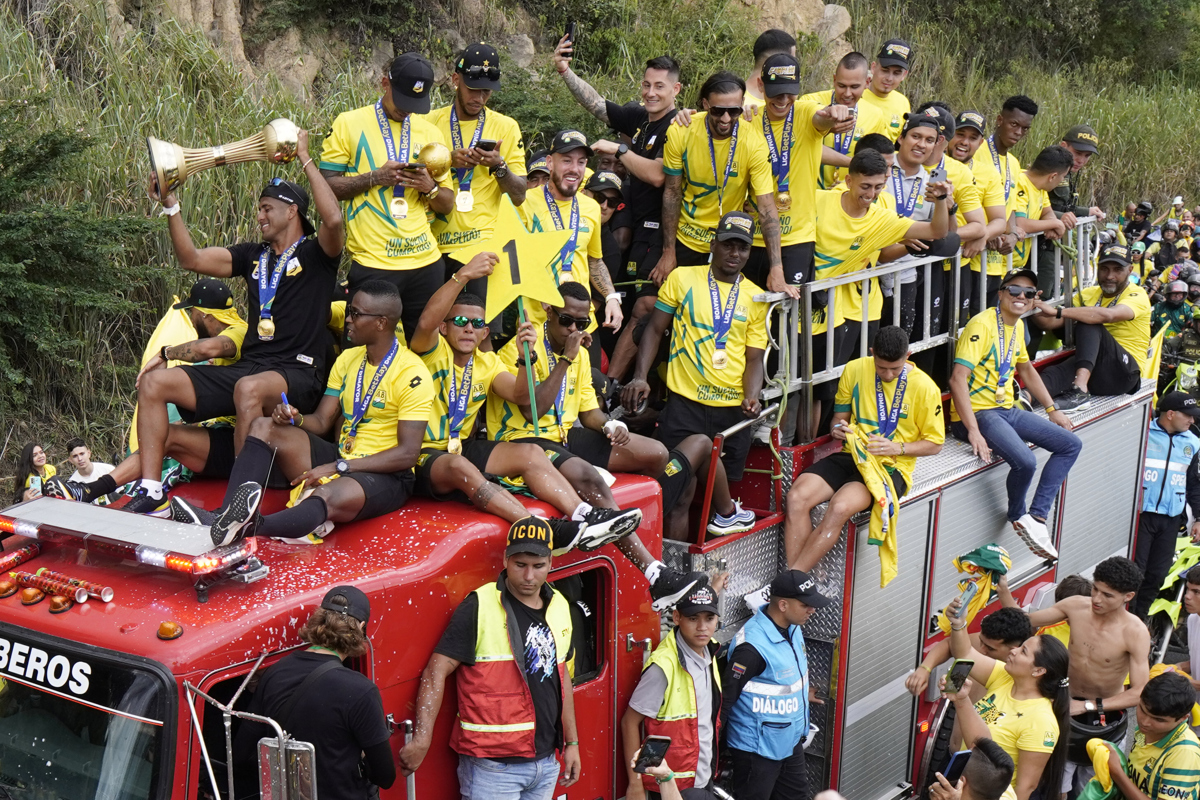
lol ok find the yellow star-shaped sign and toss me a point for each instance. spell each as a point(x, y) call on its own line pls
point(525, 261)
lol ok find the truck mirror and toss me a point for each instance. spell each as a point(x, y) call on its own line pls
point(288, 772)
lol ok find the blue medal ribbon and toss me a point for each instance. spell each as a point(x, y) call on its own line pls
point(397, 154)
point(1008, 183)
point(781, 154)
point(1004, 363)
point(904, 205)
point(842, 141)
point(567, 255)
point(551, 363)
point(267, 287)
point(363, 402)
point(889, 419)
point(458, 398)
point(464, 176)
point(722, 182)
point(722, 320)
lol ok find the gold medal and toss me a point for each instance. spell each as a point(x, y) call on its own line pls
point(566, 276)
point(720, 359)
point(783, 200)
point(1001, 395)
point(464, 201)
point(266, 329)
point(399, 207)
point(349, 445)
point(454, 446)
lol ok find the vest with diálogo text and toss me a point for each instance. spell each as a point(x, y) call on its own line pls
point(496, 717)
point(770, 716)
point(677, 716)
point(1164, 476)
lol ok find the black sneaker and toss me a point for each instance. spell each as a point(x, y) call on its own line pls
point(606, 525)
point(233, 521)
point(185, 512)
point(64, 489)
point(1071, 398)
point(672, 585)
point(140, 502)
point(566, 534)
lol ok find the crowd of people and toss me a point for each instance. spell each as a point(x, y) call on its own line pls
point(361, 395)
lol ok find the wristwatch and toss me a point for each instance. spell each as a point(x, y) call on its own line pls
point(500, 172)
point(1088, 705)
point(622, 149)
point(343, 467)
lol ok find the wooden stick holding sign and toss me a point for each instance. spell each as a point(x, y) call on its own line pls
point(530, 257)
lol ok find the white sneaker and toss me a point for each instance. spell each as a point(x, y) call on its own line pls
point(762, 434)
point(741, 519)
point(758, 598)
point(1036, 536)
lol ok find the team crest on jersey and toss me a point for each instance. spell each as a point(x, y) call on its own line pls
point(857, 243)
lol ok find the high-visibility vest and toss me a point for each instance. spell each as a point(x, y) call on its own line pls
point(677, 716)
point(770, 716)
point(496, 717)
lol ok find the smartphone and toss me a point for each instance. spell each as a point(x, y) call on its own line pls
point(966, 597)
point(412, 166)
point(654, 750)
point(957, 676)
point(571, 32)
point(958, 762)
point(487, 144)
point(35, 483)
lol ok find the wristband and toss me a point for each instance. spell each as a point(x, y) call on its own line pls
point(670, 777)
point(614, 423)
point(614, 296)
point(163, 353)
point(300, 422)
point(454, 277)
point(1058, 313)
point(902, 448)
point(306, 163)
point(568, 744)
point(922, 666)
point(169, 211)
point(1050, 409)
point(956, 628)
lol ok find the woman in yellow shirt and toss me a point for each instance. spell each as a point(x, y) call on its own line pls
point(32, 472)
point(1025, 707)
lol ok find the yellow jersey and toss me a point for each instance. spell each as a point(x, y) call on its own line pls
point(920, 408)
point(1028, 203)
point(1008, 173)
point(1168, 769)
point(991, 194)
point(458, 229)
point(505, 421)
point(485, 366)
point(535, 213)
point(374, 238)
point(1131, 334)
point(404, 394)
point(979, 351)
point(686, 295)
point(869, 120)
point(893, 106)
point(236, 333)
point(797, 223)
point(966, 192)
point(1015, 725)
point(706, 198)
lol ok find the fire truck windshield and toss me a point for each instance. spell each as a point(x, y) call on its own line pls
point(77, 724)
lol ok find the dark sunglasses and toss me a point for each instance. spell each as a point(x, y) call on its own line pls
point(461, 321)
point(1028, 292)
point(719, 112)
point(611, 202)
point(354, 313)
point(566, 320)
point(491, 73)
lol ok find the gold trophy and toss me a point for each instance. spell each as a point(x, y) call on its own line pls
point(276, 142)
point(436, 158)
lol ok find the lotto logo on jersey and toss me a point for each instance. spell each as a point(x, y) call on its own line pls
point(770, 705)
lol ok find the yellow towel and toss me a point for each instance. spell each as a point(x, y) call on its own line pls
point(1159, 669)
point(885, 510)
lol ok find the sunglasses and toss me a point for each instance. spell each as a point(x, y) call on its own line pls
point(277, 182)
point(606, 200)
point(718, 112)
point(354, 313)
point(491, 73)
point(566, 320)
point(1028, 292)
point(461, 321)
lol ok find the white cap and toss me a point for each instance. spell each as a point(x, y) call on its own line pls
point(1178, 199)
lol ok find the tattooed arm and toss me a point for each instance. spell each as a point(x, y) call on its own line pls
point(588, 97)
point(768, 220)
point(192, 352)
point(603, 284)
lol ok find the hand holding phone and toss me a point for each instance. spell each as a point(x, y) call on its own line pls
point(957, 676)
point(654, 750)
point(487, 145)
point(966, 597)
point(958, 763)
point(570, 35)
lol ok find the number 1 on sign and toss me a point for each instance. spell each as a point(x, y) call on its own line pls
point(514, 266)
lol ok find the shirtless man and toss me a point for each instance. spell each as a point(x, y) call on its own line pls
point(1107, 643)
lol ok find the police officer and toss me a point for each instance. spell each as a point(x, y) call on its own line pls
point(1172, 312)
point(1183, 348)
point(767, 693)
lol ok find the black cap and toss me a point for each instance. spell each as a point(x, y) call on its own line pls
point(1013, 274)
point(537, 163)
point(207, 293)
point(570, 140)
point(781, 75)
point(479, 66)
point(895, 53)
point(411, 77)
point(292, 194)
point(736, 225)
point(945, 120)
point(1179, 401)
point(1082, 137)
point(355, 602)
point(929, 118)
point(1114, 252)
point(971, 119)
point(800, 585)
point(700, 598)
point(531, 535)
point(604, 181)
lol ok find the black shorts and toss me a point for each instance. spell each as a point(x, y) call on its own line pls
point(683, 417)
point(385, 491)
point(220, 452)
point(643, 258)
point(592, 446)
point(797, 260)
point(839, 469)
point(476, 451)
point(214, 388)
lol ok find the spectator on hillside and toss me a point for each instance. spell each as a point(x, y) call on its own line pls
point(86, 470)
point(32, 471)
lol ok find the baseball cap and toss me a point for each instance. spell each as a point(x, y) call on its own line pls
point(945, 119)
point(354, 604)
point(479, 66)
point(568, 141)
point(292, 194)
point(971, 119)
point(1172, 224)
point(800, 585)
point(1082, 137)
point(736, 225)
point(411, 77)
point(537, 163)
point(531, 535)
point(700, 598)
point(781, 75)
point(1013, 274)
point(1114, 252)
point(894, 53)
point(207, 293)
point(929, 118)
point(1179, 401)
point(1139, 247)
point(602, 181)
